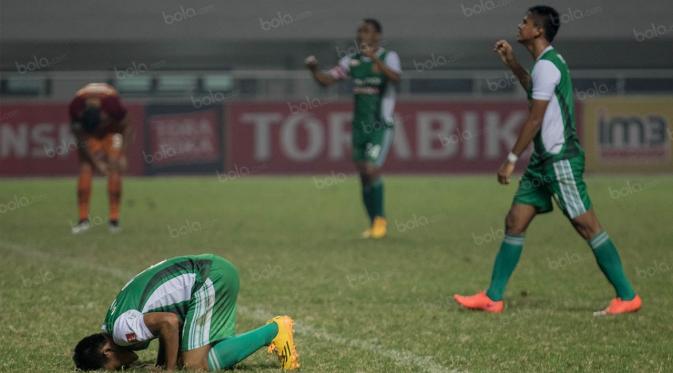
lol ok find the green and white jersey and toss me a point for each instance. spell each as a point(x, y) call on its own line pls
point(164, 287)
point(374, 95)
point(557, 138)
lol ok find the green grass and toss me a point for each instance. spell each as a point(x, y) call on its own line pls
point(360, 306)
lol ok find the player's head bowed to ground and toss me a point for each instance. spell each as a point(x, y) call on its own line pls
point(189, 304)
point(98, 351)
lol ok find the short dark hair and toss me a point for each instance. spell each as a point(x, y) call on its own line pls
point(375, 23)
point(88, 352)
point(547, 18)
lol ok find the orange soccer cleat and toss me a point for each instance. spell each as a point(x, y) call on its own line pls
point(480, 302)
point(618, 306)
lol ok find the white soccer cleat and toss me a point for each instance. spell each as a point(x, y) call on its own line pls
point(114, 227)
point(81, 227)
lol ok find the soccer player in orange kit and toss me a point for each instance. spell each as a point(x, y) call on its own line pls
point(99, 123)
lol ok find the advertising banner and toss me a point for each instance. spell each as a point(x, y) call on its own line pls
point(35, 140)
point(430, 137)
point(628, 134)
point(183, 139)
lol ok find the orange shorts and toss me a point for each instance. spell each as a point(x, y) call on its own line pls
point(107, 148)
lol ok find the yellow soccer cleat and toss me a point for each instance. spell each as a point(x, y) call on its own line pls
point(283, 344)
point(379, 228)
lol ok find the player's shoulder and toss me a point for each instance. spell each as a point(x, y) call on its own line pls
point(390, 52)
point(545, 66)
point(552, 55)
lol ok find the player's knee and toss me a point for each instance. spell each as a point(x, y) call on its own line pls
point(85, 168)
point(372, 173)
point(114, 165)
point(514, 223)
point(586, 228)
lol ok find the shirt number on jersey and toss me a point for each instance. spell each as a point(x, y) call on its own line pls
point(373, 151)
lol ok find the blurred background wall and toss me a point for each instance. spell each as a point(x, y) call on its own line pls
point(238, 67)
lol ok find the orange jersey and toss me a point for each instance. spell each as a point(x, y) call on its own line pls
point(107, 98)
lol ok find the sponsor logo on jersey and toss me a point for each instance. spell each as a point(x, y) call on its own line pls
point(131, 337)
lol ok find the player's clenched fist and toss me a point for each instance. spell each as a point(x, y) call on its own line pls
point(311, 62)
point(504, 50)
point(505, 172)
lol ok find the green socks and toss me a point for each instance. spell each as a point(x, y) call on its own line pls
point(377, 198)
point(505, 262)
point(227, 352)
point(611, 266)
point(372, 197)
point(367, 200)
point(604, 251)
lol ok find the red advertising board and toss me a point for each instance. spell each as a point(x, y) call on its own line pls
point(183, 139)
point(430, 137)
point(469, 136)
point(35, 140)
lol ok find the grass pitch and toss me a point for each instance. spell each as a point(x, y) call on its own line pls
point(360, 306)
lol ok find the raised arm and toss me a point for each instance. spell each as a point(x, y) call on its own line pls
point(323, 78)
point(504, 50)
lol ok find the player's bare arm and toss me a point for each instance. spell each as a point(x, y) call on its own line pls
point(391, 74)
point(528, 131)
point(167, 326)
point(504, 50)
point(80, 139)
point(323, 78)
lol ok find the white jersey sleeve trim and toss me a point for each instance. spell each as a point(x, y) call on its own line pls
point(546, 76)
point(393, 61)
point(342, 69)
point(130, 328)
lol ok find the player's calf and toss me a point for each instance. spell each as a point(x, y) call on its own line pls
point(196, 359)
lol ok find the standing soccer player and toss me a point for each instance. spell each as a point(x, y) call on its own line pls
point(555, 170)
point(100, 126)
point(374, 72)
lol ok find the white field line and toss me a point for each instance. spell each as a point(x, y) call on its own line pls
point(399, 357)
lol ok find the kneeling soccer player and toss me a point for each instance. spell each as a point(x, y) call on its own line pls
point(555, 170)
point(189, 303)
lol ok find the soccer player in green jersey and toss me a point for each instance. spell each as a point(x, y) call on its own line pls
point(555, 169)
point(189, 304)
point(374, 72)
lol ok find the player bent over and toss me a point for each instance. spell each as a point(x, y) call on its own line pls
point(555, 170)
point(189, 304)
point(100, 126)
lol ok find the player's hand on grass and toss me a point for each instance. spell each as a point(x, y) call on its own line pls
point(504, 50)
point(311, 63)
point(505, 172)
